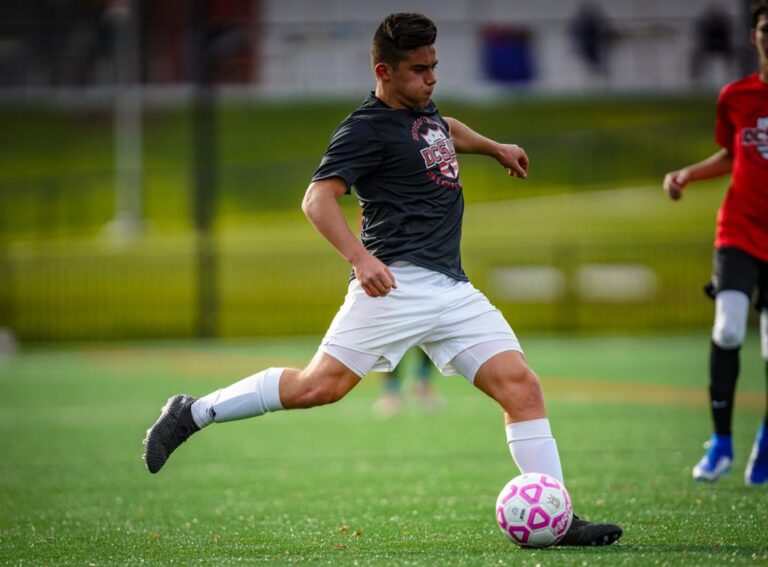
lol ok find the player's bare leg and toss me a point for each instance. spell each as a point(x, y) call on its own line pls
point(507, 378)
point(325, 380)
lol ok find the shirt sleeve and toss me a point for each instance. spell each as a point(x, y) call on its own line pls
point(354, 151)
point(724, 129)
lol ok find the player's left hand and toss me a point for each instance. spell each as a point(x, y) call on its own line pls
point(675, 182)
point(514, 158)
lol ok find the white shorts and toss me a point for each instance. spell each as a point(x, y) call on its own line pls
point(443, 316)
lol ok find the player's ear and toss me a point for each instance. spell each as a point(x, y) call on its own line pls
point(753, 36)
point(382, 71)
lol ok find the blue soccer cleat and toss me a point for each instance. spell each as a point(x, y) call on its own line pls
point(756, 473)
point(717, 460)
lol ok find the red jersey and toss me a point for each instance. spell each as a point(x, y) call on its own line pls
point(742, 129)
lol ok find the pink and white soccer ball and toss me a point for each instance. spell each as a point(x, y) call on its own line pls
point(534, 510)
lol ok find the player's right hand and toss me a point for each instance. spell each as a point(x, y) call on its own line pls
point(675, 182)
point(374, 276)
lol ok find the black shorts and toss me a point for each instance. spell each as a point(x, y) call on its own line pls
point(734, 269)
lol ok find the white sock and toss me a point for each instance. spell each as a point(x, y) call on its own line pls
point(252, 396)
point(533, 448)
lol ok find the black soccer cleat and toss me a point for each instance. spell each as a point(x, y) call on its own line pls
point(172, 428)
point(585, 533)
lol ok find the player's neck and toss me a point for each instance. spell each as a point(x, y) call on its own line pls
point(763, 73)
point(390, 99)
point(387, 98)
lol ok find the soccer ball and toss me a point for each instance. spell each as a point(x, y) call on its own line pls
point(534, 510)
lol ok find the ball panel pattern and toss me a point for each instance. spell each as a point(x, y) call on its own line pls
point(534, 510)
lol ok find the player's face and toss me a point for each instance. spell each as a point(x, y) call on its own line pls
point(412, 82)
point(760, 38)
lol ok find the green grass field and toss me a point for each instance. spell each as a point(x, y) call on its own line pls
point(336, 486)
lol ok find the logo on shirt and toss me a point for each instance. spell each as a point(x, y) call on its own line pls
point(440, 155)
point(757, 137)
point(440, 152)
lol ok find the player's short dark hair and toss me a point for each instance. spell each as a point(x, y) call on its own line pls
point(758, 8)
point(400, 33)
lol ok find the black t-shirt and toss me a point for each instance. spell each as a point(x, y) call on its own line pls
point(403, 167)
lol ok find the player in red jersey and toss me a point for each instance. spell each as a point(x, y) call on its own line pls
point(741, 249)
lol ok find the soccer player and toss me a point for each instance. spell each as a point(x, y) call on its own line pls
point(741, 250)
point(407, 287)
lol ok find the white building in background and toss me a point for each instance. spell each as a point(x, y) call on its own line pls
point(299, 48)
point(321, 47)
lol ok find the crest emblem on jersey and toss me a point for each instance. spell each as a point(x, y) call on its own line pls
point(757, 137)
point(439, 151)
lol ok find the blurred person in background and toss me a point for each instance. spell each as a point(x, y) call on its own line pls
point(713, 42)
point(391, 400)
point(740, 269)
point(407, 286)
point(593, 37)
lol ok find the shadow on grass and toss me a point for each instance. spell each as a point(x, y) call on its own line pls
point(713, 551)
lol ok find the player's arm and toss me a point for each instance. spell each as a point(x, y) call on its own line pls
point(467, 141)
point(719, 163)
point(321, 206)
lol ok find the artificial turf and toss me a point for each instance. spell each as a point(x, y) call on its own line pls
point(335, 485)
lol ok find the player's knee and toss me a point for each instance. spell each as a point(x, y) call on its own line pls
point(318, 391)
point(522, 382)
point(728, 334)
point(507, 379)
point(731, 311)
point(524, 376)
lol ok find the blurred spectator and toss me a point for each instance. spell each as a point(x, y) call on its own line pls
point(74, 42)
point(712, 42)
point(391, 400)
point(593, 35)
point(230, 40)
point(91, 43)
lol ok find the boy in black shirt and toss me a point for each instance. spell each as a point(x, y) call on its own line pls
point(408, 287)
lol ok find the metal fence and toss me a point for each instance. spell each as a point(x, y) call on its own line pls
point(92, 293)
